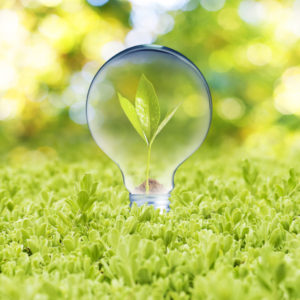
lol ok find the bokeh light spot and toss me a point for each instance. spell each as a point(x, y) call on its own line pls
point(231, 108)
point(287, 93)
point(79, 85)
point(93, 42)
point(160, 5)
point(68, 97)
point(111, 48)
point(259, 54)
point(89, 70)
point(9, 26)
point(8, 108)
point(212, 5)
point(195, 108)
point(165, 24)
point(50, 3)
point(8, 75)
point(227, 18)
point(144, 18)
point(53, 27)
point(77, 113)
point(252, 12)
point(39, 55)
point(138, 37)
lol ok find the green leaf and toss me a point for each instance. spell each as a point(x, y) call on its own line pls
point(82, 199)
point(212, 254)
point(86, 182)
point(280, 272)
point(276, 237)
point(147, 107)
point(164, 122)
point(131, 114)
point(69, 243)
point(148, 249)
point(168, 236)
point(144, 276)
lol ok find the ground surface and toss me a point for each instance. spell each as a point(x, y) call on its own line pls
point(233, 231)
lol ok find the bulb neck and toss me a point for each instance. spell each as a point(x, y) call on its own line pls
point(159, 201)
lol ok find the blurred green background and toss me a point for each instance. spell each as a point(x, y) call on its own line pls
point(249, 52)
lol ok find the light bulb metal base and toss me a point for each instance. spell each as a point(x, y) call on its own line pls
point(159, 201)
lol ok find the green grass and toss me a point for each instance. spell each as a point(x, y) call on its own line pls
point(233, 232)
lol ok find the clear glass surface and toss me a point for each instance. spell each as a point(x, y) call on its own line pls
point(177, 82)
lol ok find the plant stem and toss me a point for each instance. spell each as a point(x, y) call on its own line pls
point(148, 168)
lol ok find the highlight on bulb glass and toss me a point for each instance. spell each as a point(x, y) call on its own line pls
point(155, 116)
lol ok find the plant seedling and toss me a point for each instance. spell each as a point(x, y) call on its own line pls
point(144, 116)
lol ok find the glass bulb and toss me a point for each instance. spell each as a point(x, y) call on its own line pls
point(149, 108)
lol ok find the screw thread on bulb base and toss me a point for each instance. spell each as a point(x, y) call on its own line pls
point(159, 201)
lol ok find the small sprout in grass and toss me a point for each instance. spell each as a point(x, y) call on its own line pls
point(236, 216)
point(144, 116)
point(84, 199)
point(212, 254)
point(277, 237)
point(250, 172)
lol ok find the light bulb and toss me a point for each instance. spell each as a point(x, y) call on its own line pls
point(149, 108)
